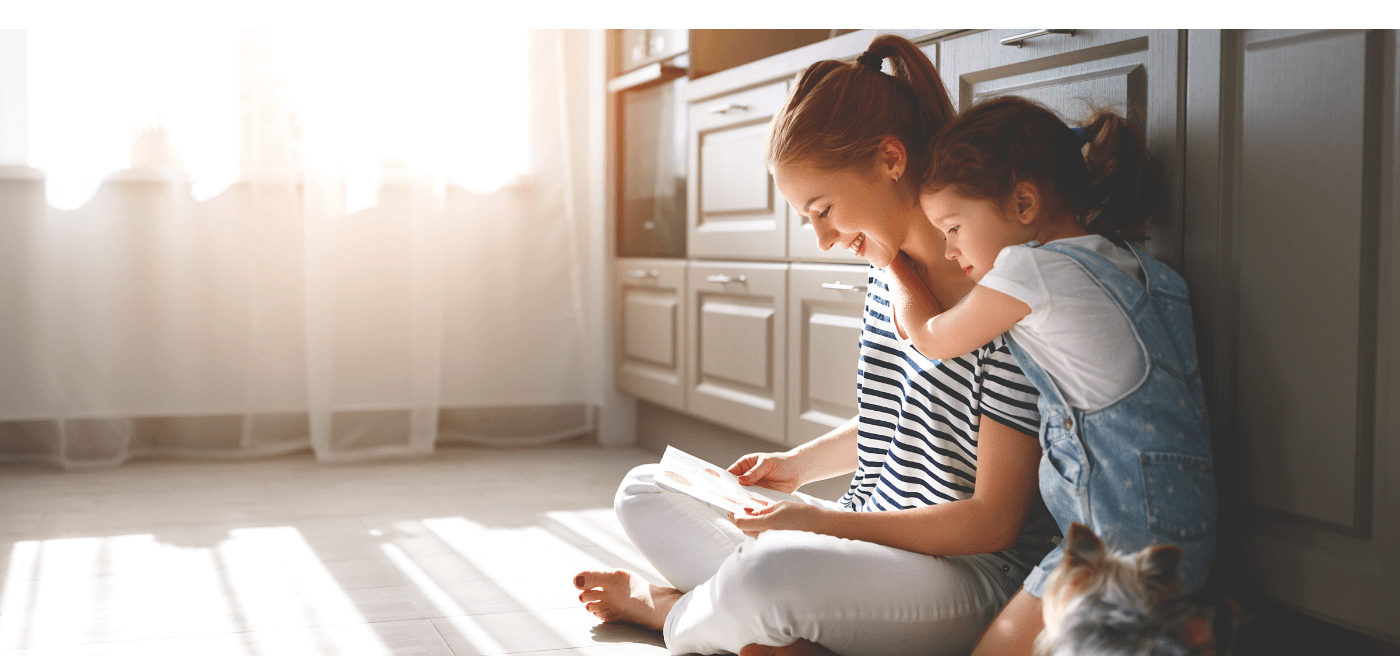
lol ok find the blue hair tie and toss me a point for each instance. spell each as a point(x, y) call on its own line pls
point(1079, 132)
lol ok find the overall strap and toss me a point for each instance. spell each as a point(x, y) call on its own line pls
point(1121, 287)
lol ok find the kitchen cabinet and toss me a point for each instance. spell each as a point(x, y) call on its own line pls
point(734, 208)
point(736, 340)
point(651, 355)
point(1291, 256)
point(1137, 72)
point(826, 308)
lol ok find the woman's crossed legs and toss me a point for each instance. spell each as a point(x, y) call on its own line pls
point(788, 587)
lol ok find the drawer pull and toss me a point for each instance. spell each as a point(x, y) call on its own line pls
point(1020, 39)
point(643, 273)
point(725, 109)
point(840, 287)
point(723, 278)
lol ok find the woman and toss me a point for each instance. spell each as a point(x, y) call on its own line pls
point(943, 519)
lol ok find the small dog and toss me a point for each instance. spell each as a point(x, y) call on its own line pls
point(1103, 603)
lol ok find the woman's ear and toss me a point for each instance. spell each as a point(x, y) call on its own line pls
point(892, 158)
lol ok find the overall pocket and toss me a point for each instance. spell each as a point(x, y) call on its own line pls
point(1064, 453)
point(1180, 491)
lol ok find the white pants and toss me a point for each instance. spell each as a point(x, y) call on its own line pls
point(851, 597)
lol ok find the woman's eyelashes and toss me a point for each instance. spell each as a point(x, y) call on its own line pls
point(824, 212)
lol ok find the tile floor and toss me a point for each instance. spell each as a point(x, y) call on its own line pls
point(469, 552)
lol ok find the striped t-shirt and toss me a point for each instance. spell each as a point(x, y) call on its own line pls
point(917, 438)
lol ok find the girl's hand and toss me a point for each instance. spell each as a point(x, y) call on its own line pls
point(782, 516)
point(774, 471)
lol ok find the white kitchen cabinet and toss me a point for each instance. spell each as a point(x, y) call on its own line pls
point(737, 344)
point(651, 353)
point(1137, 72)
point(734, 209)
point(1293, 259)
point(826, 306)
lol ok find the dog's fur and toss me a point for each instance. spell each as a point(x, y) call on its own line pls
point(1103, 603)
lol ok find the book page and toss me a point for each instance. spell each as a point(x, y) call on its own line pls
point(684, 473)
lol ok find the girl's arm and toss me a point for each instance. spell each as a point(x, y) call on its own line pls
point(982, 315)
point(1007, 464)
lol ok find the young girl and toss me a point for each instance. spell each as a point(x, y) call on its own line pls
point(1044, 227)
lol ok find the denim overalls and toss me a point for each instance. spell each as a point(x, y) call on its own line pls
point(1137, 471)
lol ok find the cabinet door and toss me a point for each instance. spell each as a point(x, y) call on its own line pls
point(651, 353)
point(737, 337)
point(1292, 256)
point(734, 207)
point(1132, 71)
point(826, 305)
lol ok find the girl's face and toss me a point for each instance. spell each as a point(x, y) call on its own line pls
point(859, 210)
point(976, 230)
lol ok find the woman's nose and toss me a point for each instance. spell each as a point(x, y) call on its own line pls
point(826, 237)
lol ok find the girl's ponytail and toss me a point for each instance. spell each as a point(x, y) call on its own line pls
point(1114, 187)
point(1125, 193)
point(839, 112)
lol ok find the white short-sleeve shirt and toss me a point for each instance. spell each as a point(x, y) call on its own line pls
point(1074, 331)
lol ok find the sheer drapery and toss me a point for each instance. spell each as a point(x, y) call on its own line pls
point(392, 259)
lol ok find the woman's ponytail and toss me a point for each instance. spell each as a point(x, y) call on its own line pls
point(839, 112)
point(1113, 186)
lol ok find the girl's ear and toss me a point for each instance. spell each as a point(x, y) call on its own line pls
point(1026, 198)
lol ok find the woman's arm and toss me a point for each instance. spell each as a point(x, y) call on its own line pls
point(830, 455)
point(982, 315)
point(1007, 462)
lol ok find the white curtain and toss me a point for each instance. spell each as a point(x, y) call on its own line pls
point(228, 244)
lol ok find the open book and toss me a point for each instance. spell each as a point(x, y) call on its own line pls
point(684, 473)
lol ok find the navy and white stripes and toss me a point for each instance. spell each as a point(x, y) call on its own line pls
point(917, 438)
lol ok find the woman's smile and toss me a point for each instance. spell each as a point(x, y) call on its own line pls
point(857, 245)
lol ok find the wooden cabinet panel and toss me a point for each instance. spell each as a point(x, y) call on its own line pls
point(734, 208)
point(1133, 71)
point(1291, 246)
point(737, 344)
point(651, 362)
point(826, 305)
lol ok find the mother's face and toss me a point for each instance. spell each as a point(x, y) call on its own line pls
point(863, 211)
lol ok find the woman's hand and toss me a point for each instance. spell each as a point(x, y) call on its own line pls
point(775, 471)
point(782, 516)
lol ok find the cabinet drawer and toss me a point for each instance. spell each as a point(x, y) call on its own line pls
point(826, 305)
point(734, 207)
point(651, 349)
point(737, 345)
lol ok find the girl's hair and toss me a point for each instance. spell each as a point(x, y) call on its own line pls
point(1114, 186)
point(838, 112)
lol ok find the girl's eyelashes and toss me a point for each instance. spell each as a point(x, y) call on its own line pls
point(952, 229)
point(824, 212)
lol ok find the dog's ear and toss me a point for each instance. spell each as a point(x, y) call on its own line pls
point(1161, 565)
point(1082, 546)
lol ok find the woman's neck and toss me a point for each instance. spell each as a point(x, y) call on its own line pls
point(925, 246)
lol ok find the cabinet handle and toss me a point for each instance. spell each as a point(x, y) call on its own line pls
point(642, 273)
point(725, 109)
point(840, 287)
point(1020, 39)
point(723, 278)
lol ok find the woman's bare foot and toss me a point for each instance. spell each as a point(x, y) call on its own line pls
point(799, 648)
point(623, 596)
